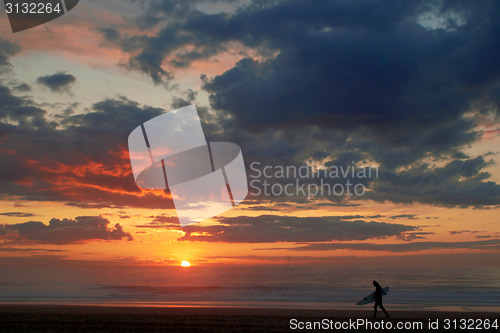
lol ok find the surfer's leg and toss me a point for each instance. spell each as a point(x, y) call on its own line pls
point(375, 310)
point(383, 309)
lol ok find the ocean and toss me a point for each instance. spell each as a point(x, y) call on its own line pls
point(324, 287)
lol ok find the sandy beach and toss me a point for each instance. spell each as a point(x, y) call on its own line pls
point(53, 318)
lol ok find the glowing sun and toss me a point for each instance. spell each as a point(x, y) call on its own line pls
point(185, 263)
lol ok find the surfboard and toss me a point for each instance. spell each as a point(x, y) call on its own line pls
point(371, 298)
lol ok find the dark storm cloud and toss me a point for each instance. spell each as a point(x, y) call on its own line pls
point(66, 231)
point(350, 65)
point(7, 50)
point(18, 109)
point(345, 81)
point(58, 82)
point(404, 247)
point(340, 64)
point(127, 43)
point(107, 126)
point(460, 182)
point(23, 87)
point(456, 183)
point(272, 228)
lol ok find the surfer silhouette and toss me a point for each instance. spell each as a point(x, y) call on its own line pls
point(378, 299)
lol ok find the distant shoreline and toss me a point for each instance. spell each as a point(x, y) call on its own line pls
point(283, 305)
point(44, 318)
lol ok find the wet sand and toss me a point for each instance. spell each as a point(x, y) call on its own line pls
point(54, 318)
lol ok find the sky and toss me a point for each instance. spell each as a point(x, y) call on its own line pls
point(408, 90)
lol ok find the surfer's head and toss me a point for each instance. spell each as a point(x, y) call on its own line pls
point(375, 283)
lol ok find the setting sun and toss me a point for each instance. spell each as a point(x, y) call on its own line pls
point(185, 263)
